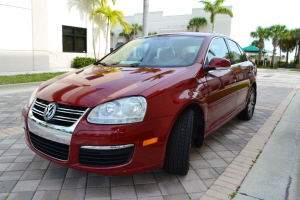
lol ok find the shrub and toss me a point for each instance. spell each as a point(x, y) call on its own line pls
point(79, 62)
point(279, 64)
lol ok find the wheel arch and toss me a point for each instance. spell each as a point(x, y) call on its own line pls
point(198, 120)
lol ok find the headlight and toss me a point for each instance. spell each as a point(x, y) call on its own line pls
point(120, 111)
point(32, 97)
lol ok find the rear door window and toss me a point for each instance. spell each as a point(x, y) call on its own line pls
point(236, 55)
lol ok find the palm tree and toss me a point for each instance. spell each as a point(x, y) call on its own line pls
point(296, 35)
point(145, 17)
point(88, 7)
point(196, 22)
point(113, 17)
point(261, 34)
point(135, 27)
point(126, 35)
point(214, 9)
point(277, 31)
point(287, 45)
point(255, 43)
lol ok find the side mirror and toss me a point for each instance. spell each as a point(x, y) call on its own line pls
point(219, 62)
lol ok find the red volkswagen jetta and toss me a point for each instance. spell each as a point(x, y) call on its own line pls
point(142, 106)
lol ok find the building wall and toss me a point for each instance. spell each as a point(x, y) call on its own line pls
point(176, 23)
point(31, 36)
point(16, 42)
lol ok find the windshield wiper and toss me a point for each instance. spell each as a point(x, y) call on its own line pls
point(100, 63)
point(134, 64)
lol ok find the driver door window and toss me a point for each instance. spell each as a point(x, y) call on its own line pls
point(218, 48)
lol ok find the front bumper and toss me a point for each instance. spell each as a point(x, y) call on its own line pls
point(142, 158)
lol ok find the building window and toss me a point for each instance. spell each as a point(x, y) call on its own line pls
point(74, 39)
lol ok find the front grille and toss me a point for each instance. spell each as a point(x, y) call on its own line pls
point(65, 115)
point(105, 158)
point(50, 148)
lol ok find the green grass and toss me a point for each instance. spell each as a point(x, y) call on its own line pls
point(26, 78)
point(295, 70)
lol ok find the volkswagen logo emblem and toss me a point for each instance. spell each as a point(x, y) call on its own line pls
point(50, 111)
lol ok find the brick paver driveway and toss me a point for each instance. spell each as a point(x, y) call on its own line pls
point(24, 175)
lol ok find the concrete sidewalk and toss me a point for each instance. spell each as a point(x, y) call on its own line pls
point(276, 174)
point(37, 72)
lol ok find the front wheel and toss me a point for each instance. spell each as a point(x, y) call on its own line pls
point(247, 113)
point(179, 144)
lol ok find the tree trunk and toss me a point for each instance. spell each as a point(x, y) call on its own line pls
point(287, 56)
point(273, 57)
point(145, 17)
point(298, 60)
point(296, 52)
point(106, 37)
point(259, 56)
point(213, 27)
point(93, 32)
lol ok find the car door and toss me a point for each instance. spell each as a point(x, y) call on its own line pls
point(242, 68)
point(222, 91)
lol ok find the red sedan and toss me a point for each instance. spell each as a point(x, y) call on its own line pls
point(142, 106)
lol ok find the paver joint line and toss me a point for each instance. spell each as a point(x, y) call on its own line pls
point(239, 159)
point(230, 151)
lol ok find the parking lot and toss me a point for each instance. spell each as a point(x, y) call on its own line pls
point(24, 175)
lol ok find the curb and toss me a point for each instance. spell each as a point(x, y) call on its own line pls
point(226, 186)
point(21, 84)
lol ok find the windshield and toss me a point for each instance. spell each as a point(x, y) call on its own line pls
point(172, 51)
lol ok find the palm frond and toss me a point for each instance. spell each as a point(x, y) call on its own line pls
point(223, 10)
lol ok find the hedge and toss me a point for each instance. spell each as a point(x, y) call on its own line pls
point(79, 62)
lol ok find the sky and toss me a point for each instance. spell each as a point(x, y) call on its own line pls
point(259, 12)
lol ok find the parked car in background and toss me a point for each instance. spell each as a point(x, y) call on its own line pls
point(142, 106)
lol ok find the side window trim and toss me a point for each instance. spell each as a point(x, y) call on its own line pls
point(239, 48)
point(206, 57)
point(242, 52)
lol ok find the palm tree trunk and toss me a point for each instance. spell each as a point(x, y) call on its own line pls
point(296, 49)
point(298, 60)
point(93, 32)
point(213, 27)
point(287, 56)
point(145, 17)
point(273, 57)
point(259, 56)
point(106, 37)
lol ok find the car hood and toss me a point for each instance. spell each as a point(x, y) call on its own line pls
point(93, 85)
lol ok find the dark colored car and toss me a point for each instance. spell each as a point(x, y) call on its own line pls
point(142, 106)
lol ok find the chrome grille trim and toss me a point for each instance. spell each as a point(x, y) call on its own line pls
point(71, 110)
point(108, 147)
point(56, 133)
point(66, 115)
point(41, 104)
point(37, 112)
point(61, 117)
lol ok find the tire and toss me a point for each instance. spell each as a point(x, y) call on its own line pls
point(179, 144)
point(199, 138)
point(248, 111)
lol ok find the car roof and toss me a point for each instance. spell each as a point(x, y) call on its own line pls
point(189, 34)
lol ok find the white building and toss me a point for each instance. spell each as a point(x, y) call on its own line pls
point(48, 34)
point(235, 27)
point(45, 34)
